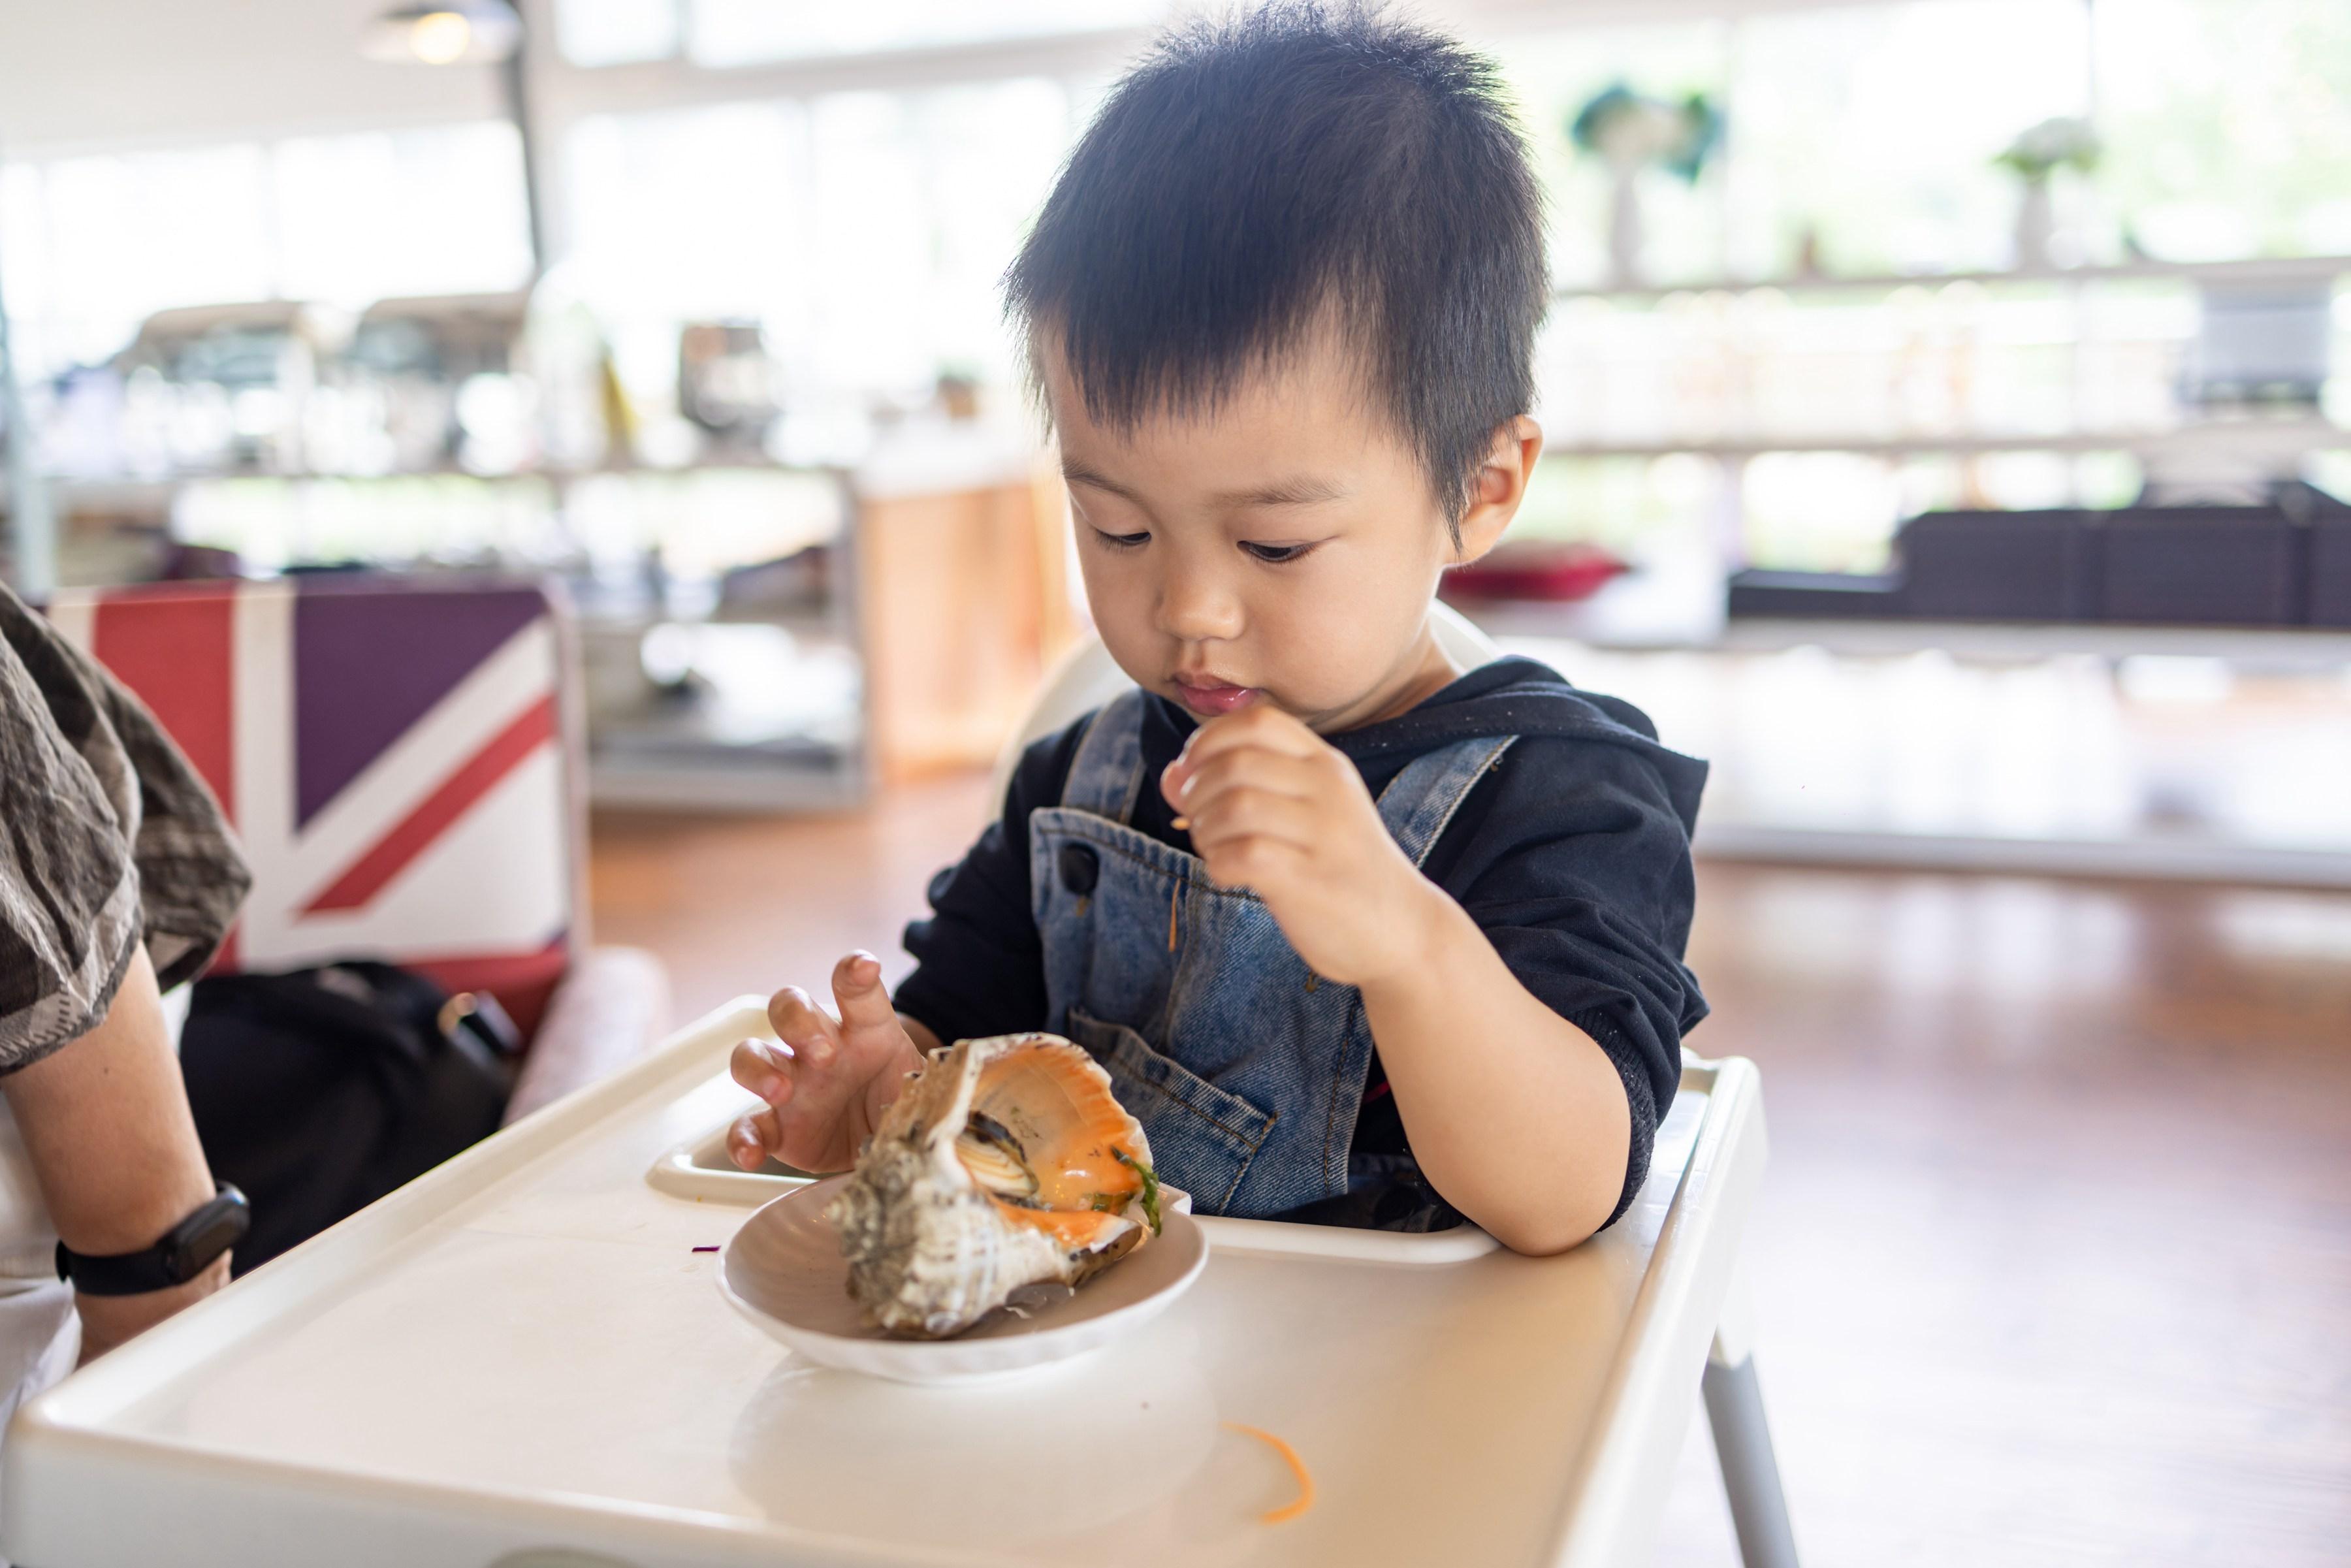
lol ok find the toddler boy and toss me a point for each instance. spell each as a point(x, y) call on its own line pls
point(1358, 937)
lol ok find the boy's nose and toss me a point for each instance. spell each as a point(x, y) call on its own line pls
point(1197, 609)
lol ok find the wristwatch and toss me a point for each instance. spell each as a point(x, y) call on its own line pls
point(186, 1251)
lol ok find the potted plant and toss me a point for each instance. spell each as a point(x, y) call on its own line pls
point(2062, 141)
point(1631, 131)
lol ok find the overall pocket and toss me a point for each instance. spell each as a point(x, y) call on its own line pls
point(1202, 1137)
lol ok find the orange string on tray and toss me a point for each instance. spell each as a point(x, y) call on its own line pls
point(1305, 1498)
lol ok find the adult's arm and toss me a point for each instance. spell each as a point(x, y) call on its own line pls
point(106, 1124)
point(115, 865)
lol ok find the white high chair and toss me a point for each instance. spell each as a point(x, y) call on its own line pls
point(520, 1360)
point(1083, 679)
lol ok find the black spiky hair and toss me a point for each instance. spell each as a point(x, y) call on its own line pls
point(1256, 176)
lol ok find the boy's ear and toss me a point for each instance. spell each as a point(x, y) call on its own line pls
point(1497, 488)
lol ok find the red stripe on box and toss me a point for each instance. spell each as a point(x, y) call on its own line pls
point(533, 729)
point(175, 651)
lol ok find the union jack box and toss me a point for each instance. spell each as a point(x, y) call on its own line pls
point(399, 757)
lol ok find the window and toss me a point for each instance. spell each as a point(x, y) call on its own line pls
point(438, 211)
point(616, 32)
point(2225, 124)
point(751, 32)
point(1872, 126)
point(921, 201)
point(1878, 127)
point(94, 246)
point(690, 214)
point(865, 231)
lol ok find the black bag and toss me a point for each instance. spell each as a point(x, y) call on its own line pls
point(319, 1091)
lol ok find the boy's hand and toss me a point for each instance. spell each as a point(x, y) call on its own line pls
point(827, 1086)
point(1276, 809)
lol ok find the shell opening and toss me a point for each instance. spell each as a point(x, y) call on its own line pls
point(996, 1160)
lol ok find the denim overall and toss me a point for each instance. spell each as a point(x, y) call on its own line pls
point(1245, 1069)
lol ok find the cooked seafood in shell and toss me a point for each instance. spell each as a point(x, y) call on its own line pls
point(1006, 1162)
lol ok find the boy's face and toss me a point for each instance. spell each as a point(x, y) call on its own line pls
point(1281, 547)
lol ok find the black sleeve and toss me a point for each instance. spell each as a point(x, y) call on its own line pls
point(979, 966)
point(1576, 866)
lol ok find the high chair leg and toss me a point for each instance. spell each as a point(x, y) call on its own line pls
point(1742, 1441)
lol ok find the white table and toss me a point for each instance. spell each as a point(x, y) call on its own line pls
point(520, 1358)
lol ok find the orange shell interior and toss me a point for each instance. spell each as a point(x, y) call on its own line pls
point(1072, 1130)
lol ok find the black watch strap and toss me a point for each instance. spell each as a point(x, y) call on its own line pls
point(186, 1251)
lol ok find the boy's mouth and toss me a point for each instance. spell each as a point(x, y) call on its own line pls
point(1208, 697)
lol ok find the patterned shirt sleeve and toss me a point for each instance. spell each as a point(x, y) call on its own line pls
point(107, 838)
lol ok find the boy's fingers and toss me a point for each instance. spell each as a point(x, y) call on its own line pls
point(1253, 860)
point(803, 1026)
point(1266, 727)
point(1255, 813)
point(1294, 751)
point(863, 1001)
point(762, 1069)
point(1272, 772)
point(742, 1145)
point(1252, 732)
point(751, 1139)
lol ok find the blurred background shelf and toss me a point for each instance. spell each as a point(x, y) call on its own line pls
point(2157, 752)
point(1614, 622)
point(732, 776)
point(2255, 270)
point(2134, 858)
point(2262, 647)
point(2260, 440)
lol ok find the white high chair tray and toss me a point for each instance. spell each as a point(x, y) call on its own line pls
point(522, 1358)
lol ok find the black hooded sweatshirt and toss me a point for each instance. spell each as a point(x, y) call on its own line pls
point(1573, 855)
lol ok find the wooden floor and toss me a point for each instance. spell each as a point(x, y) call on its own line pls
point(2053, 1264)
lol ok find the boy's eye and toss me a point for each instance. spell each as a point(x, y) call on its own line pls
point(1274, 555)
point(1121, 541)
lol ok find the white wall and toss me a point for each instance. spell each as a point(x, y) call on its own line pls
point(88, 74)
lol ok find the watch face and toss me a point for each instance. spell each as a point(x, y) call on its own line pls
point(209, 1232)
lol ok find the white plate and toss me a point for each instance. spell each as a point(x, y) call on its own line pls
point(784, 1271)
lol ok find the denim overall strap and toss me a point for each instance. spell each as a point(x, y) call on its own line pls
point(1106, 775)
point(1419, 802)
point(1245, 1067)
